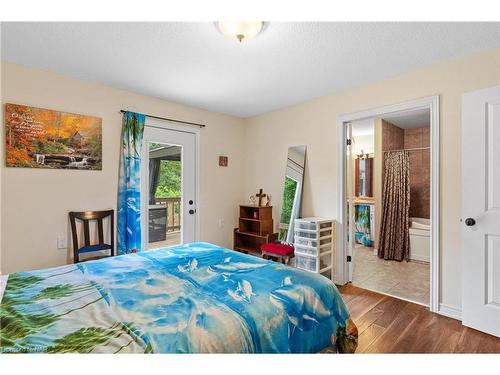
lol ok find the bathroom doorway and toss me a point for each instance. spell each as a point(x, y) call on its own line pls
point(389, 197)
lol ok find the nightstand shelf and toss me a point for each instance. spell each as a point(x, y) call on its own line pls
point(255, 229)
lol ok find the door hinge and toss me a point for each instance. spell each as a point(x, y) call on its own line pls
point(349, 258)
point(348, 141)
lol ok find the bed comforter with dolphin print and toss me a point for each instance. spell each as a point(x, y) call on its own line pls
point(194, 298)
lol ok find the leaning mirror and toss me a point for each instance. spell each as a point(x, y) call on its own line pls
point(292, 191)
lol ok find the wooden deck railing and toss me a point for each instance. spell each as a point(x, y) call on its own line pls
point(173, 212)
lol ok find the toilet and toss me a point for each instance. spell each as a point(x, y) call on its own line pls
point(420, 235)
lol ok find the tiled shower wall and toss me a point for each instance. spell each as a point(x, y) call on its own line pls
point(420, 166)
point(394, 138)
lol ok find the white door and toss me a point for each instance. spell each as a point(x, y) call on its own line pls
point(350, 199)
point(168, 186)
point(481, 210)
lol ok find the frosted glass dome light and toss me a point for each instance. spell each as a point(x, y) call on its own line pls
point(240, 31)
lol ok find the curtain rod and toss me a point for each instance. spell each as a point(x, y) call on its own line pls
point(410, 149)
point(170, 119)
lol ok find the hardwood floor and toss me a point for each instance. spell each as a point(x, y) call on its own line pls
point(389, 325)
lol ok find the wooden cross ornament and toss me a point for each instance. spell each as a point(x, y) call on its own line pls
point(260, 195)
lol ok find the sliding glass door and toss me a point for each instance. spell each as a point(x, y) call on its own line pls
point(168, 180)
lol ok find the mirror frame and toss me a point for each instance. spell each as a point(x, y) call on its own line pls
point(295, 170)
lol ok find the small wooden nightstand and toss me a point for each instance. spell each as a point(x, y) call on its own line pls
point(254, 230)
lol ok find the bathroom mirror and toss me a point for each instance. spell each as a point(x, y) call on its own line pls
point(363, 170)
point(292, 191)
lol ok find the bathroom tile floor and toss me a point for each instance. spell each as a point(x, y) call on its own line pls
point(406, 280)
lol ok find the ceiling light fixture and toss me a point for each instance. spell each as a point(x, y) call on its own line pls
point(240, 31)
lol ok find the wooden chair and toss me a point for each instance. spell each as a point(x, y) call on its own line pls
point(86, 217)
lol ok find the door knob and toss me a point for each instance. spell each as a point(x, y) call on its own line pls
point(190, 201)
point(470, 222)
point(191, 212)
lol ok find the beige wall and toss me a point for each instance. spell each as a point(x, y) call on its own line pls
point(35, 202)
point(313, 124)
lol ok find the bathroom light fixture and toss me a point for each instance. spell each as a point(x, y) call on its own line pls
point(240, 31)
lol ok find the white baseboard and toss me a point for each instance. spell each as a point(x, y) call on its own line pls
point(450, 311)
point(418, 258)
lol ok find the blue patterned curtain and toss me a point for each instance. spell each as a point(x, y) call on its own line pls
point(129, 185)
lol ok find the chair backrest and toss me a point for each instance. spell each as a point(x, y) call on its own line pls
point(86, 217)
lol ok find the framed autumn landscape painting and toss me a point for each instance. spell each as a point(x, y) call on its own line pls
point(44, 138)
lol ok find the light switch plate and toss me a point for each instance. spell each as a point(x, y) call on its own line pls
point(62, 242)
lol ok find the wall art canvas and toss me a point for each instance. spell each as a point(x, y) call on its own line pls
point(44, 138)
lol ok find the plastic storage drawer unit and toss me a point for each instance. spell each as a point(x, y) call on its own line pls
point(314, 242)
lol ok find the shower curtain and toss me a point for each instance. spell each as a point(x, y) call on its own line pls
point(394, 243)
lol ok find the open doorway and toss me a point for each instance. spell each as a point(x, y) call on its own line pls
point(391, 231)
point(389, 194)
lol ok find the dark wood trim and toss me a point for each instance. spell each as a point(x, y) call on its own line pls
point(369, 176)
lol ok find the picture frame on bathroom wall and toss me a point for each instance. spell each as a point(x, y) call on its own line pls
point(45, 138)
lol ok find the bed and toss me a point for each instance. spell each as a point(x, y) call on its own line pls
point(194, 298)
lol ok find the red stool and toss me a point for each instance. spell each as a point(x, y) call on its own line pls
point(277, 250)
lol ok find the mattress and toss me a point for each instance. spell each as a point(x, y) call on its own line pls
point(194, 298)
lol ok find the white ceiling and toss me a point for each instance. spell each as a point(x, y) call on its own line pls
point(405, 119)
point(410, 119)
point(192, 63)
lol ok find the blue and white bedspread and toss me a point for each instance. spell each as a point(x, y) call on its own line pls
point(195, 298)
